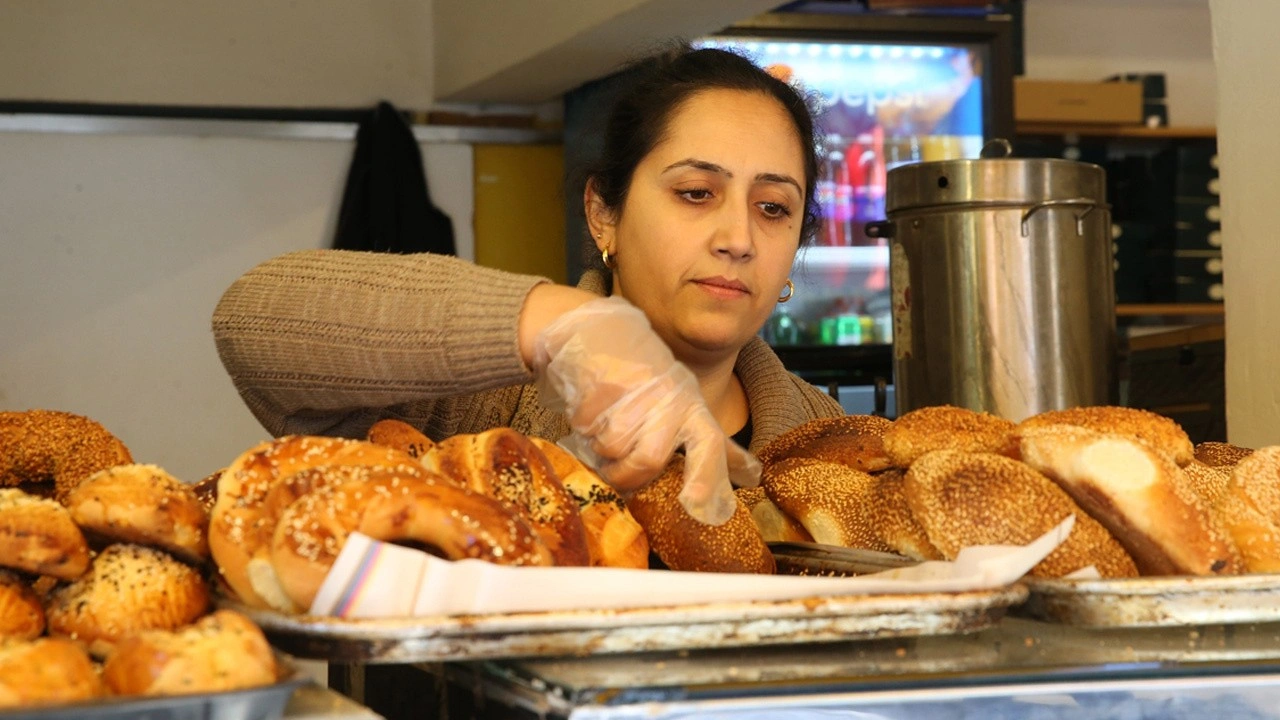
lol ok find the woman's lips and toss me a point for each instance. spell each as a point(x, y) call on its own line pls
point(723, 287)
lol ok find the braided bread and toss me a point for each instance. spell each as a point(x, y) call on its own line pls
point(507, 466)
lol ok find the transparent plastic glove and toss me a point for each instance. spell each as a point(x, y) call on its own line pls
point(631, 405)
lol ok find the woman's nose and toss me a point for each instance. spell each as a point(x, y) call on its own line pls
point(733, 237)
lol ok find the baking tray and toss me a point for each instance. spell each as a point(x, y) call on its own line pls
point(590, 632)
point(805, 558)
point(1155, 601)
point(260, 703)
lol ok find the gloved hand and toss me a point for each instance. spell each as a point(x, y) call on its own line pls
point(631, 405)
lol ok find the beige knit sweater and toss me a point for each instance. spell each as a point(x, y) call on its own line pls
point(327, 342)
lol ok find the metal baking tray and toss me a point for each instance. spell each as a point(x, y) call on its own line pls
point(259, 703)
point(1155, 601)
point(804, 558)
point(590, 632)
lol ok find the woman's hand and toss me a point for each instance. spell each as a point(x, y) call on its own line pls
point(631, 405)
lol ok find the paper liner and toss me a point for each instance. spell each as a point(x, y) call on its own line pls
point(372, 579)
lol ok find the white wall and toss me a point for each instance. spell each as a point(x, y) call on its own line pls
point(1093, 39)
point(334, 53)
point(1248, 60)
point(116, 249)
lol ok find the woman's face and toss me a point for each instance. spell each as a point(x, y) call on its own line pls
point(711, 222)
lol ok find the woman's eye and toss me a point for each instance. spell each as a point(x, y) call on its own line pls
point(775, 210)
point(697, 195)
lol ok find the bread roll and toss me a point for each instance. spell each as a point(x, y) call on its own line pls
point(221, 651)
point(773, 524)
point(1155, 430)
point(685, 543)
point(1208, 482)
point(21, 614)
point(893, 521)
point(43, 445)
point(46, 671)
point(128, 589)
point(1249, 509)
point(206, 490)
point(831, 500)
point(145, 505)
point(1138, 494)
point(239, 535)
point(1220, 454)
point(401, 436)
point(439, 517)
point(963, 499)
point(614, 538)
point(505, 465)
point(38, 536)
point(852, 440)
point(944, 427)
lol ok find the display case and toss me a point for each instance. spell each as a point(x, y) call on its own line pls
point(1020, 668)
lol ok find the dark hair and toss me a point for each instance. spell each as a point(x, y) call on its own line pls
point(659, 85)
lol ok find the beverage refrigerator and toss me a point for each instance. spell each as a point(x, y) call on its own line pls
point(886, 90)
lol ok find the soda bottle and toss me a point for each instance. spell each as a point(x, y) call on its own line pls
point(838, 210)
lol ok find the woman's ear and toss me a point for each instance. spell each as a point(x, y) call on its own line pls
point(600, 220)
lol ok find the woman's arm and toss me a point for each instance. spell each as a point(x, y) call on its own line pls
point(321, 334)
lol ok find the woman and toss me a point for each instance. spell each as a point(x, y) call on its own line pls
point(702, 195)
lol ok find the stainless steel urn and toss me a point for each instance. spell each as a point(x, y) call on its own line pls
point(1002, 283)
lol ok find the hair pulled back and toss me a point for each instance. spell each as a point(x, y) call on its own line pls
point(659, 85)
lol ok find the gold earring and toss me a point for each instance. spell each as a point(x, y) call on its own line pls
point(791, 291)
point(609, 262)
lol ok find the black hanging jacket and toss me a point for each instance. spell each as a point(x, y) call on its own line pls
point(386, 206)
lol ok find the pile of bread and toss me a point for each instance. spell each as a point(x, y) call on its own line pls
point(283, 509)
point(938, 479)
point(102, 587)
point(104, 560)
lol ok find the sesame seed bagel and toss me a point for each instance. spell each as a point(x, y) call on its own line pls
point(221, 651)
point(1158, 431)
point(963, 499)
point(285, 491)
point(831, 500)
point(21, 614)
point(507, 466)
point(853, 440)
point(944, 427)
point(1138, 494)
point(145, 505)
point(449, 521)
point(128, 589)
point(46, 671)
point(1207, 481)
point(895, 524)
point(239, 534)
point(614, 538)
point(1220, 454)
point(685, 543)
point(50, 445)
point(773, 524)
point(400, 435)
point(37, 535)
point(1250, 509)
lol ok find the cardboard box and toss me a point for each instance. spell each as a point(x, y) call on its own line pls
point(1059, 101)
point(1152, 83)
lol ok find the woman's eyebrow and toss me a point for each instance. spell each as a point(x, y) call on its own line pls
point(712, 167)
point(700, 165)
point(784, 179)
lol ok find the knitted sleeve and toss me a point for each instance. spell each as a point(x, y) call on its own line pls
point(312, 338)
